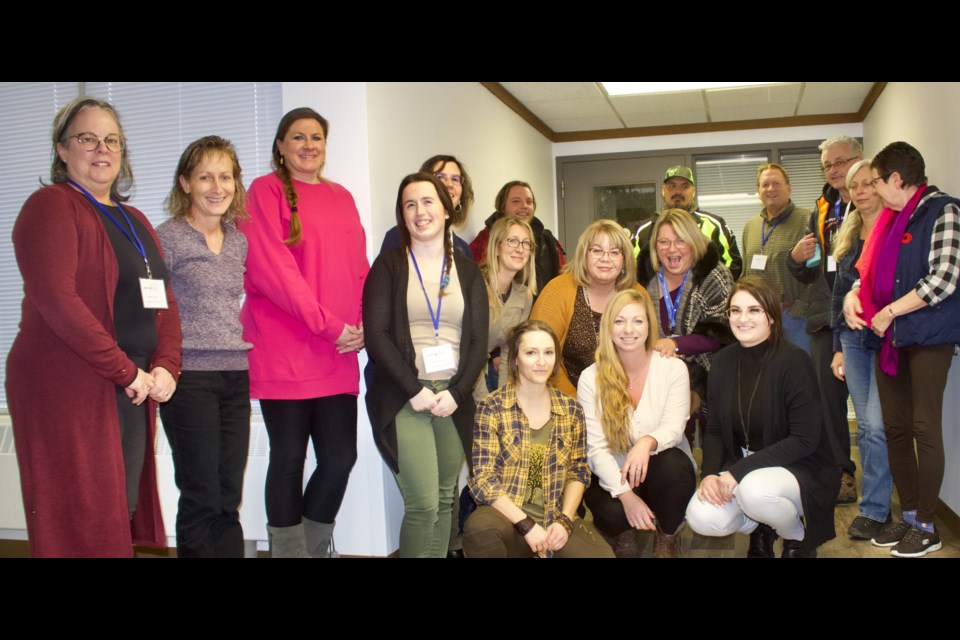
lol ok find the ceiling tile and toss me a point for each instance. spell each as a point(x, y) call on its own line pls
point(660, 108)
point(833, 97)
point(776, 101)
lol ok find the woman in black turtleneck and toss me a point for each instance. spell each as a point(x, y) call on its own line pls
point(767, 467)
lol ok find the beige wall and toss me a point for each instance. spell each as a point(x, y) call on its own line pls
point(409, 122)
point(924, 114)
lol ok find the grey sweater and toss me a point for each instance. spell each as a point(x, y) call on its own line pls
point(208, 288)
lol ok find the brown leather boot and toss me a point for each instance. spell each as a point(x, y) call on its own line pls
point(626, 544)
point(666, 545)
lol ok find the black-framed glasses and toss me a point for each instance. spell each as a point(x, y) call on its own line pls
point(442, 177)
point(873, 183)
point(90, 141)
point(828, 166)
point(514, 243)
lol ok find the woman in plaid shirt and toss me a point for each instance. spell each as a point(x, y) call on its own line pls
point(529, 460)
point(907, 295)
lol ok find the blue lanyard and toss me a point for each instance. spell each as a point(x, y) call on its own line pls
point(434, 318)
point(836, 212)
point(764, 236)
point(672, 305)
point(134, 239)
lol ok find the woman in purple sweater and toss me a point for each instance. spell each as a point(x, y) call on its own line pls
point(207, 421)
point(305, 273)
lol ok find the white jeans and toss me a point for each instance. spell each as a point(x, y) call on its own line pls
point(770, 495)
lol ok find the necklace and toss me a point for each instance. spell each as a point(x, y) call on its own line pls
point(756, 385)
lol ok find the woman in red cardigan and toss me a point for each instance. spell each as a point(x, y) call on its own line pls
point(99, 345)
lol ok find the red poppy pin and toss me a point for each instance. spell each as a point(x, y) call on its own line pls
point(907, 238)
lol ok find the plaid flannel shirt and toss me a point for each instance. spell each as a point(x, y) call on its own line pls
point(501, 450)
point(941, 282)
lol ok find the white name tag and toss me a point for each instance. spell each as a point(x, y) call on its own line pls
point(831, 263)
point(154, 293)
point(759, 262)
point(438, 358)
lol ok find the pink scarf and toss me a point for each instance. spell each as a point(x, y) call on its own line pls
point(877, 267)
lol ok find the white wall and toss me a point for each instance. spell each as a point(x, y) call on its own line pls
point(409, 122)
point(925, 115)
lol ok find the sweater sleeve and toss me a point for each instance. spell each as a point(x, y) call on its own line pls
point(797, 386)
point(717, 400)
point(599, 456)
point(379, 287)
point(272, 270)
point(477, 305)
point(800, 270)
point(676, 407)
point(46, 241)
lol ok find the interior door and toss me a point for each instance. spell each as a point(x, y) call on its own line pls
point(623, 189)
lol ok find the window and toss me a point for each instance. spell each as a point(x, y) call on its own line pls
point(159, 119)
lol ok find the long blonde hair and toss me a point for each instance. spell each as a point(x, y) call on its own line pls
point(491, 267)
point(850, 229)
point(615, 401)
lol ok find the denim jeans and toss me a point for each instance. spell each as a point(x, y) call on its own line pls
point(858, 364)
point(795, 331)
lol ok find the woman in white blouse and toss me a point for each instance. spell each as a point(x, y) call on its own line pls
point(636, 404)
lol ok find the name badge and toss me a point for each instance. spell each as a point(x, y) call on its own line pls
point(831, 263)
point(759, 262)
point(154, 293)
point(438, 358)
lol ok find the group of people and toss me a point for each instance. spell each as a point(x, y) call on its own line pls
point(560, 384)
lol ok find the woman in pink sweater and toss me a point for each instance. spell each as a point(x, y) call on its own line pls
point(305, 272)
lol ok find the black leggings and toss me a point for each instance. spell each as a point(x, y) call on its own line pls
point(331, 423)
point(668, 488)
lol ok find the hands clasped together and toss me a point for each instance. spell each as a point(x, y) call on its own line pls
point(158, 385)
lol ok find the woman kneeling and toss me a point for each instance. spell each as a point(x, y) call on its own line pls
point(767, 460)
point(529, 461)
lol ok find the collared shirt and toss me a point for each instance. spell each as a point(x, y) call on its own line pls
point(501, 450)
point(791, 226)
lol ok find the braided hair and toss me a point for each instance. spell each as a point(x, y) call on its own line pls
point(301, 113)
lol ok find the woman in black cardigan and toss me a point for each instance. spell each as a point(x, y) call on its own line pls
point(425, 324)
point(767, 464)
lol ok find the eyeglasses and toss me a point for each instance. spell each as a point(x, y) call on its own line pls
point(665, 244)
point(840, 164)
point(873, 183)
point(599, 252)
point(752, 312)
point(442, 177)
point(90, 142)
point(513, 243)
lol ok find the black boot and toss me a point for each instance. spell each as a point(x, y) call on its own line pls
point(795, 549)
point(761, 542)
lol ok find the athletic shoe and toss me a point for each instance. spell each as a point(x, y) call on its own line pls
point(916, 544)
point(890, 534)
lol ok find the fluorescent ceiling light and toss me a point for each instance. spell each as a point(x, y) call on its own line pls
point(634, 88)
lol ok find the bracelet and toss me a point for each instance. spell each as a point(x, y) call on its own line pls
point(565, 522)
point(524, 526)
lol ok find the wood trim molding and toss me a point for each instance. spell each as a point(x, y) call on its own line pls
point(870, 99)
point(508, 99)
point(675, 129)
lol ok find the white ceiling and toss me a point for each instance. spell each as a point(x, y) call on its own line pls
point(585, 106)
